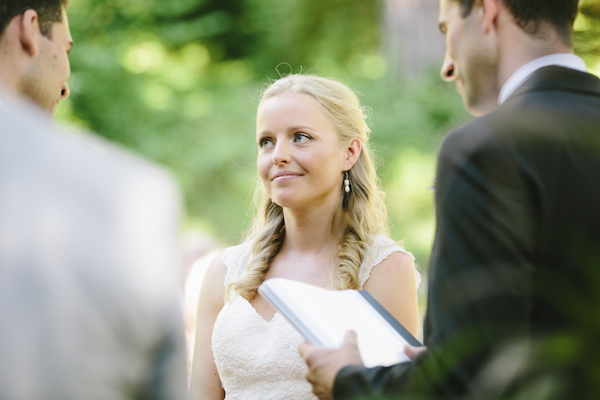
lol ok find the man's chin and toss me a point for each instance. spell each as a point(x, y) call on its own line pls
point(49, 108)
point(53, 107)
point(45, 106)
point(480, 107)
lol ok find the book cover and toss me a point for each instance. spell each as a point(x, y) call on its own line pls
point(324, 316)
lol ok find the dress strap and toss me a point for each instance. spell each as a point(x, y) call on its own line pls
point(380, 249)
point(236, 260)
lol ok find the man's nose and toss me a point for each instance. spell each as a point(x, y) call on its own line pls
point(447, 71)
point(64, 91)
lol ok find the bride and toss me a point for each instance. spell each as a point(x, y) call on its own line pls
point(321, 221)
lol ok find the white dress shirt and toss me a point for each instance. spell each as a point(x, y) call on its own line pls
point(566, 60)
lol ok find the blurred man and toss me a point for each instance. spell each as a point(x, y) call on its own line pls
point(89, 265)
point(515, 270)
point(34, 43)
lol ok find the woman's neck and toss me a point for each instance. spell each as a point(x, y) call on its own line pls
point(310, 230)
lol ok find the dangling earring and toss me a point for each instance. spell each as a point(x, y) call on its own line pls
point(347, 183)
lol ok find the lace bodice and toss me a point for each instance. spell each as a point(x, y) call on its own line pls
point(258, 359)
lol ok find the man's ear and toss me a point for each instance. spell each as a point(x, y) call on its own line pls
point(352, 154)
point(29, 31)
point(490, 10)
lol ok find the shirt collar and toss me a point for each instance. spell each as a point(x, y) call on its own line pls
point(3, 106)
point(566, 60)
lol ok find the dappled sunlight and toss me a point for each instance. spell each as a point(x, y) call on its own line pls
point(370, 66)
point(158, 96)
point(235, 72)
point(410, 200)
point(596, 69)
point(198, 105)
point(144, 57)
point(178, 82)
point(196, 55)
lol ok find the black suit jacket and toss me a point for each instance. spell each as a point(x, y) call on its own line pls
point(514, 279)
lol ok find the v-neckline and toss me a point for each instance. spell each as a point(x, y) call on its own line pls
point(256, 312)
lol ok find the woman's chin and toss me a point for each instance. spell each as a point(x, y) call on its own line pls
point(285, 201)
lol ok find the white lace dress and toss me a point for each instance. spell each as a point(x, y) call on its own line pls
point(258, 359)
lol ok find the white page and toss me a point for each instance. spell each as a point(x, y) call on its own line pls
point(333, 313)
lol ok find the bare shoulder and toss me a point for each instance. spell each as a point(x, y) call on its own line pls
point(397, 264)
point(398, 259)
point(216, 270)
point(213, 284)
point(393, 284)
point(396, 271)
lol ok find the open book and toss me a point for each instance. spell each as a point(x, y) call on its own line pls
point(324, 316)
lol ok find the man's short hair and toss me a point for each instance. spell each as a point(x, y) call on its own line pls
point(529, 14)
point(49, 12)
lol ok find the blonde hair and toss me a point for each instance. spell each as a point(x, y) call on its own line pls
point(363, 214)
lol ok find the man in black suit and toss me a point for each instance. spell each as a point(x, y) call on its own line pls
point(515, 269)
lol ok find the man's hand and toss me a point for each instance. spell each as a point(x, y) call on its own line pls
point(324, 364)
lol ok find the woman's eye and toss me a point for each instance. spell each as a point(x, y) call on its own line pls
point(265, 143)
point(301, 138)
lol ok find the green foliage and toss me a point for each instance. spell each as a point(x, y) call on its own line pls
point(313, 33)
point(587, 34)
point(409, 120)
point(178, 82)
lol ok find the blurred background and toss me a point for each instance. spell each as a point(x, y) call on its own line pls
point(177, 82)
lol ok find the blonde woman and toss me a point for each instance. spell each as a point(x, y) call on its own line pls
point(321, 221)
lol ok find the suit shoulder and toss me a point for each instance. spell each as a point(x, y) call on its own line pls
point(478, 133)
point(75, 164)
point(104, 153)
point(98, 162)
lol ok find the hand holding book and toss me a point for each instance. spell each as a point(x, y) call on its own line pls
point(324, 316)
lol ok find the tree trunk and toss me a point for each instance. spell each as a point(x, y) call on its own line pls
point(412, 41)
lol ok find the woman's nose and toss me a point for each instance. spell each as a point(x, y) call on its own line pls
point(281, 153)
